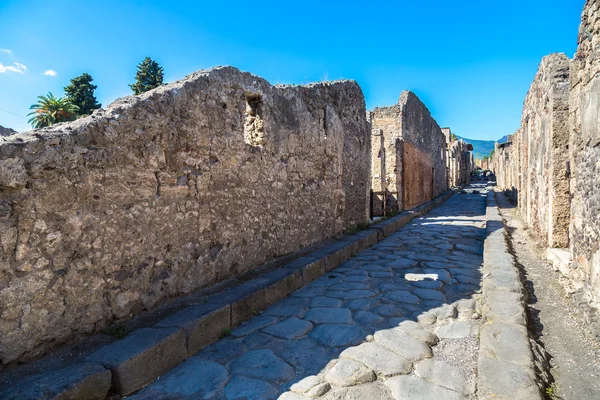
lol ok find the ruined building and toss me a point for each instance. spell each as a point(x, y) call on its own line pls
point(408, 155)
point(550, 166)
point(167, 192)
point(460, 161)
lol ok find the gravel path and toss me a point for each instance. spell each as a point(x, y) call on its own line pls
point(554, 320)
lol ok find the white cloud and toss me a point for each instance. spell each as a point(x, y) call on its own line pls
point(50, 72)
point(7, 51)
point(19, 68)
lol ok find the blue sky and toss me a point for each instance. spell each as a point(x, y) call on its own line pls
point(470, 61)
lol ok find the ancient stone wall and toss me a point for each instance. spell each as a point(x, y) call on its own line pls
point(538, 151)
point(420, 129)
point(168, 192)
point(6, 131)
point(584, 150)
point(414, 152)
point(545, 120)
point(459, 160)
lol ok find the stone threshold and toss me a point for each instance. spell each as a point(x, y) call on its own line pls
point(129, 364)
point(506, 366)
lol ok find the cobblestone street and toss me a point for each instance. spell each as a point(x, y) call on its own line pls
point(399, 320)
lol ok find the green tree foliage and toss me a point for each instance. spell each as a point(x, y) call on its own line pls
point(492, 153)
point(149, 75)
point(453, 137)
point(50, 110)
point(81, 93)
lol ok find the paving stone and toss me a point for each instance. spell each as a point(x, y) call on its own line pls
point(253, 325)
point(418, 277)
point(319, 390)
point(351, 294)
point(349, 286)
point(306, 356)
point(443, 374)
point(429, 294)
point(386, 286)
point(223, 351)
point(365, 257)
point(242, 388)
point(506, 342)
point(349, 373)
point(306, 384)
point(417, 331)
point(403, 344)
point(357, 278)
point(444, 312)
point(470, 272)
point(395, 321)
point(194, 376)
point(262, 364)
point(367, 318)
point(202, 324)
point(428, 284)
point(458, 329)
point(322, 301)
point(360, 304)
point(466, 304)
point(470, 249)
point(260, 340)
point(402, 296)
point(378, 358)
point(504, 380)
point(288, 307)
point(292, 396)
point(442, 274)
point(374, 267)
point(381, 274)
point(424, 256)
point(78, 381)
point(325, 282)
point(415, 388)
point(141, 357)
point(468, 279)
point(371, 391)
point(321, 315)
point(504, 307)
point(335, 335)
point(431, 304)
point(289, 329)
point(387, 310)
point(402, 263)
point(309, 291)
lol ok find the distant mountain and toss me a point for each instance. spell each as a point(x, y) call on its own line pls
point(6, 131)
point(483, 148)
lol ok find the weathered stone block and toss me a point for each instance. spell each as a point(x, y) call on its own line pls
point(79, 381)
point(141, 357)
point(313, 270)
point(250, 305)
point(202, 324)
point(284, 286)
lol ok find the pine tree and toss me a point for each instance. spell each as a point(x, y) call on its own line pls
point(149, 75)
point(81, 93)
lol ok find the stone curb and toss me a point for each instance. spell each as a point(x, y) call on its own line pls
point(135, 361)
point(506, 367)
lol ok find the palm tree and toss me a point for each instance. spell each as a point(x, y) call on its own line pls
point(50, 110)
